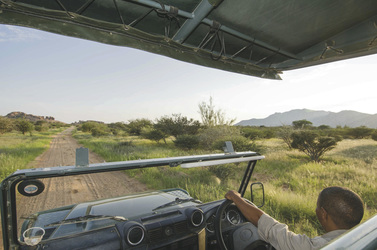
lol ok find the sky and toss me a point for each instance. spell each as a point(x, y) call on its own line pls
point(73, 79)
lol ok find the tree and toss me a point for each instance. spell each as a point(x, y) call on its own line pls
point(301, 124)
point(285, 133)
point(41, 126)
point(312, 144)
point(211, 117)
point(6, 125)
point(177, 125)
point(136, 126)
point(360, 132)
point(24, 126)
point(88, 126)
point(374, 135)
point(154, 135)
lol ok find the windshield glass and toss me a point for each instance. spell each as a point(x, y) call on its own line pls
point(64, 198)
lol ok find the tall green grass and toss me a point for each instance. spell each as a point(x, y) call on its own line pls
point(17, 150)
point(292, 182)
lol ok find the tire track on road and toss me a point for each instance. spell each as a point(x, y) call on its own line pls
point(78, 188)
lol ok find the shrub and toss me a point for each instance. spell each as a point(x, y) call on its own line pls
point(187, 142)
point(100, 130)
point(223, 172)
point(312, 144)
point(88, 126)
point(207, 137)
point(360, 132)
point(240, 143)
point(24, 126)
point(6, 125)
point(374, 135)
point(154, 135)
point(136, 126)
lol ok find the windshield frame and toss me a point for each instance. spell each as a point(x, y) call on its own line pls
point(9, 184)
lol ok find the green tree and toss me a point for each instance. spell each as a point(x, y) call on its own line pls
point(24, 126)
point(154, 135)
point(41, 126)
point(312, 144)
point(285, 133)
point(88, 126)
point(301, 124)
point(100, 129)
point(212, 117)
point(6, 125)
point(177, 125)
point(187, 141)
point(360, 132)
point(374, 135)
point(136, 126)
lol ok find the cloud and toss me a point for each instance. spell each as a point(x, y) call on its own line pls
point(9, 33)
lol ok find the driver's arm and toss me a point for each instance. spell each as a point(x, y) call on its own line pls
point(250, 212)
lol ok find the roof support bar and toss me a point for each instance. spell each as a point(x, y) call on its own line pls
point(197, 17)
point(201, 11)
point(156, 5)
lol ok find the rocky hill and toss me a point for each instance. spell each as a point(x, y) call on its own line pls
point(33, 118)
point(344, 118)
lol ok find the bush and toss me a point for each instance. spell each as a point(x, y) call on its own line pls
point(312, 144)
point(187, 142)
point(223, 172)
point(208, 137)
point(239, 142)
point(374, 135)
point(88, 126)
point(360, 132)
point(6, 125)
point(100, 130)
point(24, 126)
point(154, 135)
point(41, 126)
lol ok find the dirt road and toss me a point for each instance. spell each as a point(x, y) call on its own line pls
point(76, 188)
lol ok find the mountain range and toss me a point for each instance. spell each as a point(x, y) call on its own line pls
point(347, 118)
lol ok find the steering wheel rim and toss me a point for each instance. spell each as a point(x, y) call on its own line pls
point(218, 230)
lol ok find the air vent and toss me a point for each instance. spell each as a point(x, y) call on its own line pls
point(135, 235)
point(197, 218)
point(180, 227)
point(155, 234)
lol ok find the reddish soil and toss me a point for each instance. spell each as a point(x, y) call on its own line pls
point(76, 188)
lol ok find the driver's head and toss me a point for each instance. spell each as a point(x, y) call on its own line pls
point(345, 207)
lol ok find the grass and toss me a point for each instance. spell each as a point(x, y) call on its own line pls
point(17, 150)
point(292, 182)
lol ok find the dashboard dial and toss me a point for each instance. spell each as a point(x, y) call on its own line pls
point(233, 217)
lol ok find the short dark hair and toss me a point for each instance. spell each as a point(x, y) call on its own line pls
point(345, 207)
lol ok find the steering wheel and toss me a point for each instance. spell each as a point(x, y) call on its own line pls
point(218, 229)
point(256, 245)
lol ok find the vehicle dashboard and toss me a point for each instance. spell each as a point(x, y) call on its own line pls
point(190, 227)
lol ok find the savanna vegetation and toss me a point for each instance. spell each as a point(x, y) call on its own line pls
point(300, 161)
point(21, 141)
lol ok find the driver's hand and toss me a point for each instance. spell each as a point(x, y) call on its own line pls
point(231, 195)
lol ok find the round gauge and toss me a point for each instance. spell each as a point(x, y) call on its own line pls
point(233, 217)
point(211, 223)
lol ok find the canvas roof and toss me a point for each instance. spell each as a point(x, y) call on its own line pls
point(255, 37)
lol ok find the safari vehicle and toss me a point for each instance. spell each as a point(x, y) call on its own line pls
point(164, 219)
point(256, 38)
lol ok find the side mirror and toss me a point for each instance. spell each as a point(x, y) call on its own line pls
point(257, 194)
